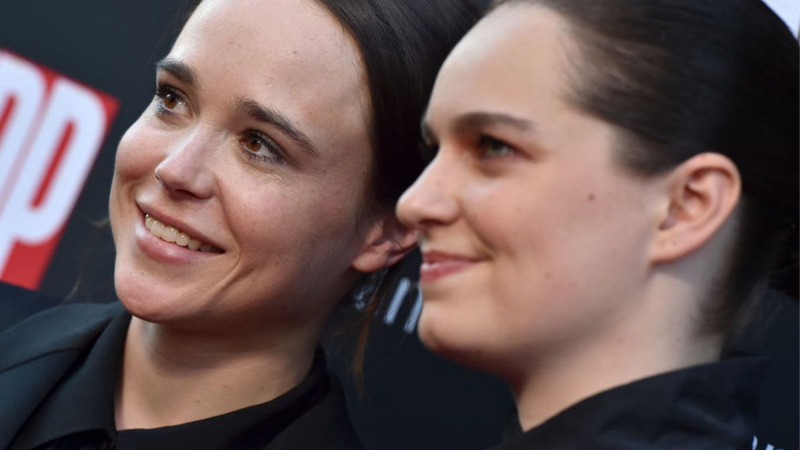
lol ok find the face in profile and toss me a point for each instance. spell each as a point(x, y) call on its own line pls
point(530, 230)
point(237, 194)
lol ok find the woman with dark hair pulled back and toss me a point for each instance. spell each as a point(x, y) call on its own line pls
point(252, 195)
point(614, 183)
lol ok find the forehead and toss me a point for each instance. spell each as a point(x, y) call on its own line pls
point(296, 32)
point(288, 54)
point(514, 59)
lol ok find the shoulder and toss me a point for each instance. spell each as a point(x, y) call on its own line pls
point(37, 351)
point(17, 303)
point(55, 329)
point(326, 426)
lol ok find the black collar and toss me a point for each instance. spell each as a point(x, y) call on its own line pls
point(81, 407)
point(712, 406)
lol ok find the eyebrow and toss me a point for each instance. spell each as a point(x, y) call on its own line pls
point(477, 120)
point(179, 70)
point(272, 117)
point(186, 74)
point(474, 120)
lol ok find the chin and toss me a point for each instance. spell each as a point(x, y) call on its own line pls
point(140, 301)
point(144, 309)
point(454, 339)
point(440, 331)
point(429, 336)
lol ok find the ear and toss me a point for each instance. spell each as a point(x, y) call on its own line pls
point(385, 244)
point(701, 194)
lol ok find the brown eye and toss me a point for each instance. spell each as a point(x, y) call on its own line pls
point(170, 100)
point(253, 144)
point(258, 146)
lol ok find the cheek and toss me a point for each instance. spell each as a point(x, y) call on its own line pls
point(289, 226)
point(136, 153)
point(557, 257)
point(544, 228)
point(526, 234)
point(134, 161)
point(295, 251)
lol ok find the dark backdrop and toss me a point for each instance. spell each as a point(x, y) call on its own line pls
point(412, 399)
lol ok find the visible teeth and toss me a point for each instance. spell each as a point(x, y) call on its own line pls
point(157, 229)
point(194, 244)
point(183, 239)
point(174, 235)
point(169, 234)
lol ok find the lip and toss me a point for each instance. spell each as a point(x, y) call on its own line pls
point(438, 264)
point(166, 252)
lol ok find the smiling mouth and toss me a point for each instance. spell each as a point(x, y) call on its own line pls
point(437, 265)
point(175, 236)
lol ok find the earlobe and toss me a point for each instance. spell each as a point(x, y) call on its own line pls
point(386, 243)
point(702, 194)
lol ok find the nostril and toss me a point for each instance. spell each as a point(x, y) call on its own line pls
point(186, 172)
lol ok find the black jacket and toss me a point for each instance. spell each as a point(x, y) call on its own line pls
point(709, 407)
point(39, 353)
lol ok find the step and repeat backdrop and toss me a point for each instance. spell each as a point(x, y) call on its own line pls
point(75, 75)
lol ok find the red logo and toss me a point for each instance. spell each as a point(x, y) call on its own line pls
point(51, 130)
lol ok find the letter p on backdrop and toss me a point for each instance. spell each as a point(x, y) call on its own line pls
point(51, 130)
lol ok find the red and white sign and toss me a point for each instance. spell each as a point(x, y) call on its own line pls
point(51, 130)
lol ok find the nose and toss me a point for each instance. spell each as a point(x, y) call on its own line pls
point(432, 199)
point(186, 169)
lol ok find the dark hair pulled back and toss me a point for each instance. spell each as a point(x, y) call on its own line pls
point(683, 77)
point(402, 45)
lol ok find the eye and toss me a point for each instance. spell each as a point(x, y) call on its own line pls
point(260, 147)
point(492, 148)
point(167, 98)
point(253, 144)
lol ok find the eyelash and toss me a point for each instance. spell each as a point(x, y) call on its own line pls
point(162, 91)
point(275, 156)
point(484, 142)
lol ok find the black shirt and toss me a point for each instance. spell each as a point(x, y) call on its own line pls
point(79, 412)
point(708, 407)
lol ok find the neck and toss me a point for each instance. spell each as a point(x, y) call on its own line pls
point(174, 376)
point(633, 349)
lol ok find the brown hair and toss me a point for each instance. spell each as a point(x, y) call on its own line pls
point(402, 45)
point(682, 77)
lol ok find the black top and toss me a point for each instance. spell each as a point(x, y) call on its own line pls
point(78, 413)
point(709, 407)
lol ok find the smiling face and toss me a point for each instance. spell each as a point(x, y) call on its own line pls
point(534, 239)
point(256, 148)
